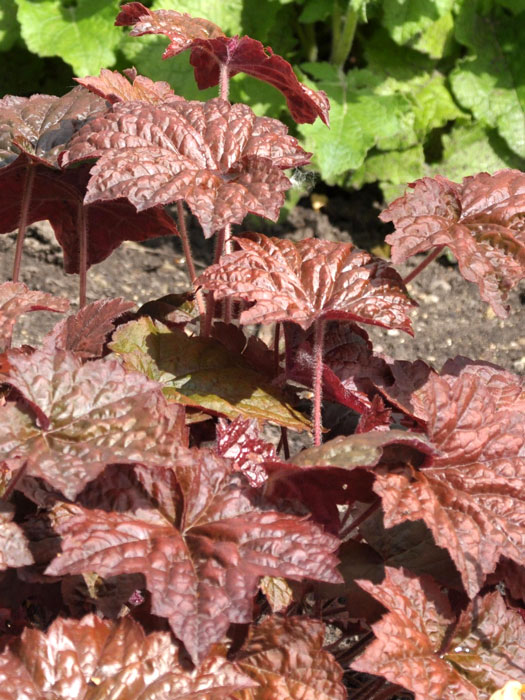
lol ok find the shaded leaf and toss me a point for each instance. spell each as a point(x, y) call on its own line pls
point(471, 497)
point(480, 221)
point(14, 547)
point(286, 658)
point(76, 418)
point(116, 87)
point(16, 299)
point(406, 650)
point(211, 50)
point(240, 442)
point(93, 659)
point(220, 158)
point(85, 332)
point(204, 571)
point(197, 371)
point(309, 281)
point(277, 591)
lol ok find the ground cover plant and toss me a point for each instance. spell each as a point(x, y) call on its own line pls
point(155, 541)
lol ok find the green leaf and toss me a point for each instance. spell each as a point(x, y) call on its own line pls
point(201, 372)
point(316, 11)
point(360, 118)
point(472, 148)
point(9, 29)
point(82, 34)
point(425, 25)
point(391, 168)
point(489, 81)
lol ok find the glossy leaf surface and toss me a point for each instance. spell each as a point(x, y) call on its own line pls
point(74, 418)
point(308, 281)
point(480, 221)
point(14, 547)
point(210, 50)
point(203, 571)
point(201, 372)
point(117, 87)
point(286, 658)
point(486, 648)
point(240, 442)
point(471, 497)
point(93, 659)
point(220, 158)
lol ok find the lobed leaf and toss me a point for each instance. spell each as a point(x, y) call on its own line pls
point(16, 299)
point(286, 659)
point(220, 158)
point(240, 442)
point(85, 332)
point(115, 87)
point(471, 497)
point(203, 570)
point(76, 418)
point(211, 51)
point(93, 659)
point(480, 221)
point(408, 640)
point(14, 547)
point(309, 281)
point(197, 371)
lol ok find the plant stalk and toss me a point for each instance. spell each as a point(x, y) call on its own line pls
point(224, 81)
point(186, 247)
point(318, 380)
point(82, 253)
point(227, 248)
point(22, 224)
point(342, 40)
point(424, 263)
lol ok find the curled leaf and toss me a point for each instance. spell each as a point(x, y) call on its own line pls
point(480, 220)
point(115, 87)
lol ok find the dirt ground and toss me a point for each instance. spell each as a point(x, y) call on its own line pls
point(450, 320)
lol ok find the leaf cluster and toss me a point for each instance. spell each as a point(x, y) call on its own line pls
point(155, 540)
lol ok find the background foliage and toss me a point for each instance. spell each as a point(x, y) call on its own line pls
point(417, 86)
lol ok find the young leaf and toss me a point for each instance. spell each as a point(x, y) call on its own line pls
point(114, 87)
point(204, 571)
point(16, 299)
point(409, 637)
point(211, 51)
point(85, 332)
point(81, 418)
point(220, 158)
point(286, 658)
point(197, 371)
point(471, 497)
point(308, 281)
point(479, 220)
point(92, 658)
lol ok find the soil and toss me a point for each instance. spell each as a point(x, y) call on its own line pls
point(451, 318)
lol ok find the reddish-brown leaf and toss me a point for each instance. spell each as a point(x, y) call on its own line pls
point(93, 659)
point(115, 87)
point(286, 658)
point(480, 220)
point(471, 497)
point(85, 332)
point(210, 50)
point(220, 158)
point(203, 571)
point(240, 442)
point(308, 281)
point(408, 640)
point(14, 547)
point(16, 299)
point(76, 418)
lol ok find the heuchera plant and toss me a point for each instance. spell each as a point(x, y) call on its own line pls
point(154, 542)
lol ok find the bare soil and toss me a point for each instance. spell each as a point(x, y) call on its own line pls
point(451, 318)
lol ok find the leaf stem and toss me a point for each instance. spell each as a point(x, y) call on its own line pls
point(345, 531)
point(22, 223)
point(224, 81)
point(186, 247)
point(227, 248)
point(276, 356)
point(82, 253)
point(318, 380)
point(430, 257)
point(342, 40)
